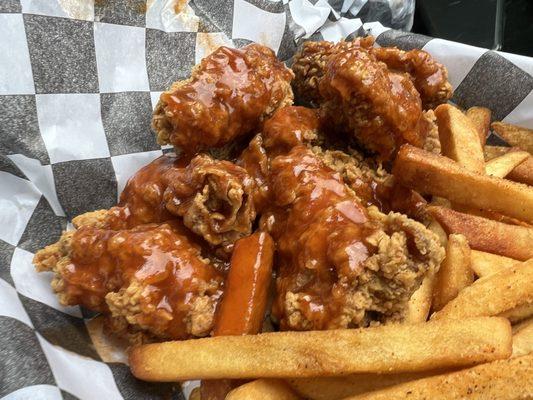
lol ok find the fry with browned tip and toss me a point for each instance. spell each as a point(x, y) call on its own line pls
point(242, 308)
point(429, 173)
point(480, 118)
point(454, 273)
point(459, 138)
point(496, 294)
point(498, 380)
point(383, 349)
point(487, 235)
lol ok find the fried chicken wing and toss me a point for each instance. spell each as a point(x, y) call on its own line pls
point(382, 109)
point(339, 264)
point(430, 77)
point(141, 201)
point(228, 95)
point(309, 65)
point(214, 198)
point(152, 276)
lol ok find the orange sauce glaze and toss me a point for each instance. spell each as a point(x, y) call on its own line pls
point(226, 97)
point(382, 107)
point(318, 227)
point(161, 257)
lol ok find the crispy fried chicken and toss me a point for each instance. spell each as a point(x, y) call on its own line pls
point(228, 95)
point(153, 276)
point(339, 264)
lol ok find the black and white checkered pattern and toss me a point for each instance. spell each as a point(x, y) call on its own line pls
point(77, 88)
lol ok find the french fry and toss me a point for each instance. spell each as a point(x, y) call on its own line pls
point(515, 135)
point(486, 235)
point(498, 293)
point(480, 118)
point(501, 166)
point(390, 348)
point(420, 302)
point(454, 274)
point(495, 151)
point(523, 338)
point(339, 387)
point(459, 138)
point(502, 380)
point(485, 264)
point(523, 172)
point(519, 313)
point(265, 389)
point(488, 214)
point(429, 173)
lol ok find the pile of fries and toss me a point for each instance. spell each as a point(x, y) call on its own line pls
point(468, 332)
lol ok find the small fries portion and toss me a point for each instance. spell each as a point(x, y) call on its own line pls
point(502, 380)
point(509, 288)
point(480, 118)
point(429, 173)
point(459, 138)
point(265, 389)
point(515, 135)
point(487, 235)
point(485, 264)
point(501, 166)
point(388, 348)
point(455, 273)
point(339, 387)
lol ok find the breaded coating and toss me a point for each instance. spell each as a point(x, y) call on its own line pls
point(363, 98)
point(152, 276)
point(309, 65)
point(228, 95)
point(214, 198)
point(429, 76)
point(339, 264)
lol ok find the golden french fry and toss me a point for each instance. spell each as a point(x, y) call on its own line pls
point(429, 173)
point(480, 118)
point(498, 293)
point(494, 151)
point(454, 274)
point(436, 228)
point(501, 166)
point(523, 172)
point(459, 138)
point(420, 302)
point(502, 380)
point(485, 264)
point(487, 235)
point(339, 387)
point(389, 348)
point(488, 214)
point(523, 338)
point(515, 135)
point(265, 389)
point(519, 313)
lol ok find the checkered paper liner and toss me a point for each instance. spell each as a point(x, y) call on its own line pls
point(78, 82)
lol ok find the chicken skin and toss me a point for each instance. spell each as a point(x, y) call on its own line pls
point(152, 276)
point(339, 263)
point(228, 95)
